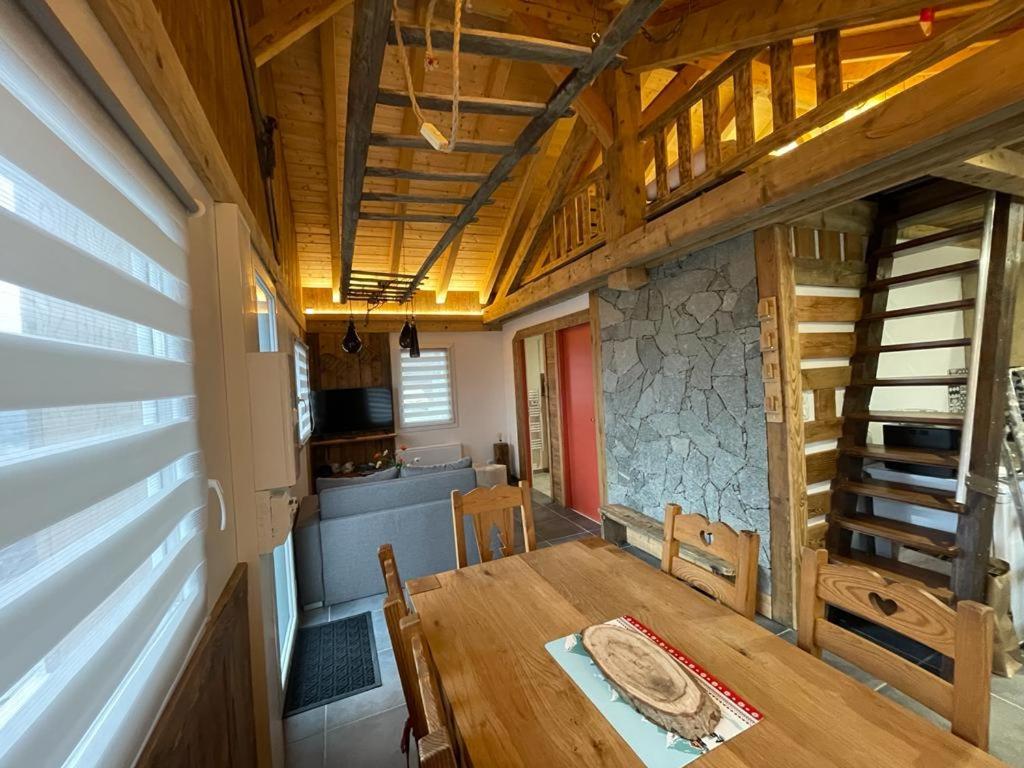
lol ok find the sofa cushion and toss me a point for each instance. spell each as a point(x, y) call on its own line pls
point(413, 470)
point(350, 500)
point(323, 483)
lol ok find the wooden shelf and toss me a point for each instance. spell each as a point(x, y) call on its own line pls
point(350, 440)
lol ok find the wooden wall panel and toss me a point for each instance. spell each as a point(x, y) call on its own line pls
point(554, 416)
point(209, 720)
point(203, 35)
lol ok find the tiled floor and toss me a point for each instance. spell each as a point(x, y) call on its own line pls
point(364, 731)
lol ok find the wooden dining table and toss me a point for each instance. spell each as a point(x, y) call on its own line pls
point(513, 705)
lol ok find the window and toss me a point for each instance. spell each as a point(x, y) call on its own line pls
point(302, 392)
point(102, 570)
point(428, 396)
point(266, 316)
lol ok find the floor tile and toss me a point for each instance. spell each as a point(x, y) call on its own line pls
point(381, 636)
point(304, 724)
point(573, 537)
point(373, 742)
point(387, 696)
point(772, 626)
point(307, 753)
point(1006, 732)
point(1010, 689)
point(548, 530)
point(359, 605)
point(315, 616)
point(789, 636)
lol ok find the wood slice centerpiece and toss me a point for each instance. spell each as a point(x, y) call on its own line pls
point(652, 681)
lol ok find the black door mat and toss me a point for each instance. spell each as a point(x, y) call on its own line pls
point(332, 661)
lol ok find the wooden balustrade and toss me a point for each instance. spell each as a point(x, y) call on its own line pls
point(578, 225)
point(724, 102)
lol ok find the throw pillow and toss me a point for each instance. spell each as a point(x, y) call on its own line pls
point(323, 483)
point(412, 470)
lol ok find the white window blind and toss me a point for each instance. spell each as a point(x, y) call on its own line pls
point(102, 489)
point(302, 392)
point(427, 390)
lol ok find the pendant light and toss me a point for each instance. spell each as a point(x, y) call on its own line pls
point(414, 340)
point(405, 337)
point(351, 343)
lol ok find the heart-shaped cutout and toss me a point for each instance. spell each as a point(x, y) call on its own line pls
point(707, 537)
point(885, 605)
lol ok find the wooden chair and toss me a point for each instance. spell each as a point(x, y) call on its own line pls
point(395, 610)
point(437, 745)
point(488, 508)
point(964, 635)
point(712, 543)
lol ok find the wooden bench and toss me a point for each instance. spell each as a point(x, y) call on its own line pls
point(618, 519)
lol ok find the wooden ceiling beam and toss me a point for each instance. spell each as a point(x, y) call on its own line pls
point(501, 45)
point(475, 105)
point(593, 107)
point(972, 107)
point(394, 197)
point(369, 39)
point(283, 25)
point(407, 174)
point(419, 218)
point(878, 44)
point(1001, 169)
point(332, 147)
point(626, 24)
point(734, 24)
point(416, 141)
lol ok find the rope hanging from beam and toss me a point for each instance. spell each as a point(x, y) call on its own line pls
point(428, 130)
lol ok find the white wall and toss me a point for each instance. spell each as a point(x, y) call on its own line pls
point(478, 367)
point(508, 331)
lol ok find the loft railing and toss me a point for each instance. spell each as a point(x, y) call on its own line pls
point(577, 225)
point(770, 71)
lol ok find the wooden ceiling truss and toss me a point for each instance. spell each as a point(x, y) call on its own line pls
point(370, 34)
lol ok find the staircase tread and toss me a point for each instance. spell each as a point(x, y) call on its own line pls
point(954, 233)
point(924, 274)
point(931, 457)
point(939, 418)
point(923, 309)
point(919, 537)
point(933, 581)
point(913, 345)
point(919, 495)
point(911, 381)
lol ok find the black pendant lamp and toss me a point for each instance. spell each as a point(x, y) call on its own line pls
point(351, 343)
point(405, 337)
point(414, 340)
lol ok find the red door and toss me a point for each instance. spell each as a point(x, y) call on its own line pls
point(579, 439)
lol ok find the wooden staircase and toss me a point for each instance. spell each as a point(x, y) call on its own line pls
point(856, 534)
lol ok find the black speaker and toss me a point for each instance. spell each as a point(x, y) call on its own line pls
point(928, 438)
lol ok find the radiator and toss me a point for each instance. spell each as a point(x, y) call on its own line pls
point(433, 454)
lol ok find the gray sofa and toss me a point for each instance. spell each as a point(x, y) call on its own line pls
point(336, 545)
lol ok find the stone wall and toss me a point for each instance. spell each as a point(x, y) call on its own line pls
point(683, 395)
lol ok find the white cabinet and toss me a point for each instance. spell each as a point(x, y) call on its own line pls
point(272, 404)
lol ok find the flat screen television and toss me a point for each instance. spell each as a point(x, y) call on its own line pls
point(352, 411)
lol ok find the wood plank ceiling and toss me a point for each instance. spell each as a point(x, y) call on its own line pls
point(465, 276)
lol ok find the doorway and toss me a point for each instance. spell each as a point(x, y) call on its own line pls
point(579, 420)
point(558, 412)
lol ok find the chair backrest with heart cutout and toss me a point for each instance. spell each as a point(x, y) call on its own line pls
point(963, 635)
point(489, 508)
point(727, 564)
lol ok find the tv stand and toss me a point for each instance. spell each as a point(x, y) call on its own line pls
point(352, 439)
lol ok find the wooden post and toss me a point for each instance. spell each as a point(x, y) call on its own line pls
point(787, 487)
point(828, 66)
point(595, 341)
point(626, 199)
point(743, 98)
point(783, 83)
point(712, 133)
point(974, 528)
